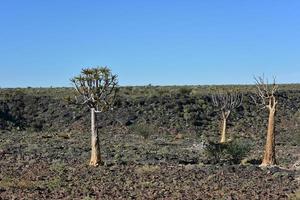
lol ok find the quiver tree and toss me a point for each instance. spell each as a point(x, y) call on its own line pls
point(96, 88)
point(226, 103)
point(266, 96)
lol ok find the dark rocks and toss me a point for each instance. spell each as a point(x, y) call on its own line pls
point(43, 112)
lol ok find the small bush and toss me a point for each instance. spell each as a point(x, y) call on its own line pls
point(143, 129)
point(54, 183)
point(185, 90)
point(233, 151)
point(58, 168)
point(187, 115)
point(237, 150)
point(214, 151)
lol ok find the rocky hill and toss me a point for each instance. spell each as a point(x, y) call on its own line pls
point(187, 108)
point(153, 145)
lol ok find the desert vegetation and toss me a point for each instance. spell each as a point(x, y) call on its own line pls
point(226, 103)
point(266, 93)
point(97, 89)
point(157, 142)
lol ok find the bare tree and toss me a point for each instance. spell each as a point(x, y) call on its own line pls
point(226, 103)
point(266, 95)
point(96, 88)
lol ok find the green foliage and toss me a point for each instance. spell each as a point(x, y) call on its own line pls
point(185, 90)
point(214, 151)
point(58, 168)
point(233, 151)
point(54, 183)
point(143, 129)
point(237, 150)
point(187, 115)
point(96, 88)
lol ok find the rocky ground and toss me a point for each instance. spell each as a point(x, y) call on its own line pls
point(163, 166)
point(155, 145)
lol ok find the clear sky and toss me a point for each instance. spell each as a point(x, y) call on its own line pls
point(158, 42)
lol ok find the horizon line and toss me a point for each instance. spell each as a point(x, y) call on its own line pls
point(146, 85)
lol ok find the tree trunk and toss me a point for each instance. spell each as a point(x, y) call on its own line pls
point(95, 154)
point(269, 154)
point(223, 133)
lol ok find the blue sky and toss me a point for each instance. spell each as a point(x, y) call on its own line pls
point(159, 42)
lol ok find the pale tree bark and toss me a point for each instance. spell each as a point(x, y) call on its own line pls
point(225, 116)
point(223, 134)
point(97, 88)
point(269, 154)
point(226, 103)
point(95, 142)
point(266, 94)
